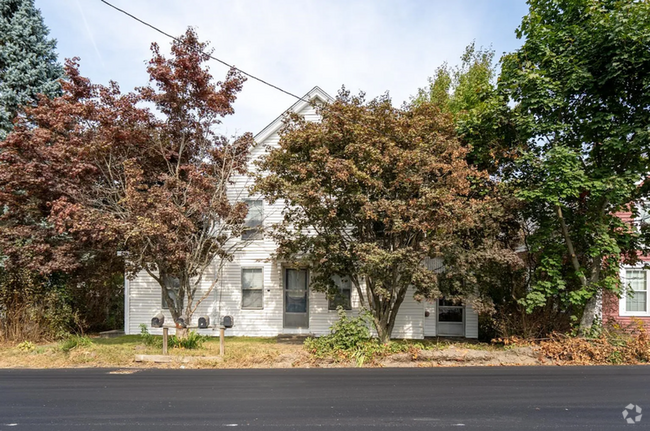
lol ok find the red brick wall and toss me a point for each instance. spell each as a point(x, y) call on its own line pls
point(611, 313)
point(611, 302)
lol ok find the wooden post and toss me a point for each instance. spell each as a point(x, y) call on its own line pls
point(165, 335)
point(222, 344)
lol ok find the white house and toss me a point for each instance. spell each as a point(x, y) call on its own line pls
point(267, 298)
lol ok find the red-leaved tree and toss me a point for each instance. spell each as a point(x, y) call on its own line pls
point(98, 167)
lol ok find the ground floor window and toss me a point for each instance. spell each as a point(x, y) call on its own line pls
point(449, 311)
point(343, 296)
point(635, 298)
point(252, 287)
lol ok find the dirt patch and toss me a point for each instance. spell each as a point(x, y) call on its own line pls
point(453, 356)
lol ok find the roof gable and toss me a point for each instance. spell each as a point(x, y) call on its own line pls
point(315, 94)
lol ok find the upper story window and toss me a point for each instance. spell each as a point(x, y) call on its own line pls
point(635, 298)
point(343, 295)
point(254, 220)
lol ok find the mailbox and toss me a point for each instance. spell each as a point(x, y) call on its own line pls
point(157, 321)
point(204, 322)
point(227, 322)
point(180, 323)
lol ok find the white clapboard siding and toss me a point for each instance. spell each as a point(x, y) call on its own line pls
point(430, 322)
point(145, 301)
point(409, 322)
point(471, 322)
point(321, 318)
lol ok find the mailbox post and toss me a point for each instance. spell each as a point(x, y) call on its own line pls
point(226, 322)
point(222, 341)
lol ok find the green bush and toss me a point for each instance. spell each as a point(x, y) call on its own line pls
point(346, 334)
point(349, 339)
point(194, 340)
point(148, 339)
point(74, 341)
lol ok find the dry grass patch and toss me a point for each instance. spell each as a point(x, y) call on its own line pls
point(241, 352)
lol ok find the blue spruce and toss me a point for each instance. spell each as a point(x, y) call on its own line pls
point(28, 61)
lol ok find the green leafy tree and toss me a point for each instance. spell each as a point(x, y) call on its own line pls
point(484, 121)
point(28, 61)
point(370, 192)
point(581, 81)
point(484, 256)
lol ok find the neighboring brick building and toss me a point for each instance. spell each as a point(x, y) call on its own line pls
point(634, 304)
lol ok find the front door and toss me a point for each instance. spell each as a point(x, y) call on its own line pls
point(296, 298)
point(451, 319)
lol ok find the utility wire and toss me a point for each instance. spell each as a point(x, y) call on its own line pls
point(209, 55)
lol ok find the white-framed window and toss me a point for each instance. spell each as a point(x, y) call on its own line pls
point(450, 311)
point(343, 295)
point(252, 288)
point(634, 301)
point(254, 220)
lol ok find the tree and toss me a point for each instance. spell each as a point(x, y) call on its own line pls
point(484, 121)
point(370, 192)
point(28, 61)
point(581, 82)
point(115, 176)
point(484, 257)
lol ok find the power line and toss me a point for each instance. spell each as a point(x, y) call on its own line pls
point(209, 55)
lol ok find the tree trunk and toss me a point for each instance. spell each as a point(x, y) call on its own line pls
point(383, 332)
point(591, 307)
point(588, 315)
point(181, 333)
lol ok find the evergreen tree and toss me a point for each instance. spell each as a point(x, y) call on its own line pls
point(28, 62)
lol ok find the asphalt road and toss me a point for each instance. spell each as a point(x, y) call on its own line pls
point(503, 398)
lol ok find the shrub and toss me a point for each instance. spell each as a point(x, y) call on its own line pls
point(26, 346)
point(350, 339)
point(193, 340)
point(33, 307)
point(148, 339)
point(75, 341)
point(346, 334)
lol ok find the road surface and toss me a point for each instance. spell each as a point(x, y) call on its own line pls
point(492, 398)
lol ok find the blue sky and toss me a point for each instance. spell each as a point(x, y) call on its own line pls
point(370, 45)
